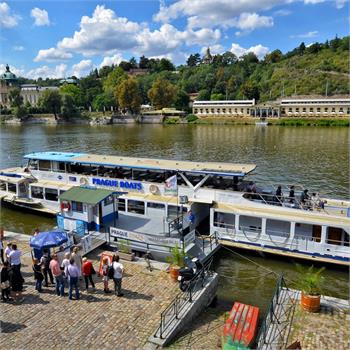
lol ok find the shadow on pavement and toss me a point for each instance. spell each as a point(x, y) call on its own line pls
point(8, 327)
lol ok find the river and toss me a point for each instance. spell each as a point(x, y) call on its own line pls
point(316, 157)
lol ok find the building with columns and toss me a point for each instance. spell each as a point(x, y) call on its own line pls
point(301, 106)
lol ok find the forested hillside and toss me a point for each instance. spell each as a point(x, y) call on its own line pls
point(304, 70)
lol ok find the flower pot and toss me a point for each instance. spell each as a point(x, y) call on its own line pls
point(310, 303)
point(174, 272)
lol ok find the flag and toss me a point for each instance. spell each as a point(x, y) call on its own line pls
point(170, 187)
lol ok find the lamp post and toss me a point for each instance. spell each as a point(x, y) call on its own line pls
point(183, 200)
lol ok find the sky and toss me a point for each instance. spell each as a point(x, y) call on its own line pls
point(58, 39)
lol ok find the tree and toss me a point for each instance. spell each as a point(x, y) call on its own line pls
point(51, 101)
point(162, 93)
point(193, 60)
point(228, 58)
point(128, 95)
point(68, 107)
point(75, 92)
point(165, 64)
point(125, 66)
point(301, 48)
point(16, 100)
point(250, 90)
point(274, 56)
point(250, 57)
point(144, 62)
point(203, 95)
point(133, 62)
point(181, 100)
point(113, 79)
point(105, 70)
point(104, 100)
point(217, 97)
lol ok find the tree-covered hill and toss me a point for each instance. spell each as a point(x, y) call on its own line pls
point(316, 69)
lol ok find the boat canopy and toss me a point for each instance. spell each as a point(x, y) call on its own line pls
point(211, 168)
point(86, 195)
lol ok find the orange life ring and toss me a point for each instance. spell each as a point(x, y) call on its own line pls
point(65, 206)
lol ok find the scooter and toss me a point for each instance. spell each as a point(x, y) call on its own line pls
point(186, 274)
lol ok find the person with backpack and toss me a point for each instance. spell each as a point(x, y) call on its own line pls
point(38, 275)
point(45, 263)
point(118, 270)
point(88, 270)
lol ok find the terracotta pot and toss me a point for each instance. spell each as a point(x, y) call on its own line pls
point(174, 272)
point(310, 303)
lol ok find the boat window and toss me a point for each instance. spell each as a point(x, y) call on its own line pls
point(77, 207)
point(224, 220)
point(155, 205)
point(335, 235)
point(11, 187)
point(277, 227)
point(44, 165)
point(121, 204)
point(51, 194)
point(249, 223)
point(137, 207)
point(58, 166)
point(108, 201)
point(2, 186)
point(175, 211)
point(37, 192)
point(306, 231)
point(62, 191)
point(33, 164)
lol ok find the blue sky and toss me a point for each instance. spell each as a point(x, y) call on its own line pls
point(63, 38)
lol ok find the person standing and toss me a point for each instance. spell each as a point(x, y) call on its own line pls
point(77, 259)
point(88, 270)
point(15, 258)
point(38, 275)
point(45, 262)
point(118, 275)
point(105, 278)
point(60, 255)
point(16, 282)
point(64, 267)
point(291, 194)
point(5, 282)
point(279, 194)
point(2, 245)
point(8, 250)
point(73, 275)
point(57, 273)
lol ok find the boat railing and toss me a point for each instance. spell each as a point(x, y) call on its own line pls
point(276, 325)
point(173, 311)
point(211, 240)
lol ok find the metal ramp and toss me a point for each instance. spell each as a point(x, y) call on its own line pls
point(204, 247)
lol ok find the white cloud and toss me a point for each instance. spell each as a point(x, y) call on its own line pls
point(51, 55)
point(307, 35)
point(82, 68)
point(282, 12)
point(110, 60)
point(313, 2)
point(7, 18)
point(103, 33)
point(41, 17)
point(259, 50)
point(59, 71)
point(18, 48)
point(250, 21)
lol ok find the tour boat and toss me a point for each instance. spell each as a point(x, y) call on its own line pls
point(240, 327)
point(157, 202)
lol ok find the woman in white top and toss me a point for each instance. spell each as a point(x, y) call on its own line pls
point(64, 266)
point(77, 259)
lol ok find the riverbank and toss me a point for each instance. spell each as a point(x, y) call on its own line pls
point(107, 118)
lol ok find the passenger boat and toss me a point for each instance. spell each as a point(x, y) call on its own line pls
point(159, 201)
point(240, 327)
point(262, 122)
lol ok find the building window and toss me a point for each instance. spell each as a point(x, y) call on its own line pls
point(12, 188)
point(136, 207)
point(201, 110)
point(51, 194)
point(290, 110)
point(224, 110)
point(242, 110)
point(236, 110)
point(326, 109)
point(37, 192)
point(212, 110)
point(341, 110)
point(318, 109)
point(304, 109)
point(348, 112)
point(297, 109)
point(311, 109)
point(333, 110)
point(121, 204)
point(207, 111)
point(108, 201)
point(77, 207)
point(195, 110)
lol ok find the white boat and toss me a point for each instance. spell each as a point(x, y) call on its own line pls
point(211, 197)
point(262, 122)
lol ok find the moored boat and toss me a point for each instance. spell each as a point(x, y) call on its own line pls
point(240, 327)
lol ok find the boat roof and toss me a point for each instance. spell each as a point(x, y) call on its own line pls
point(217, 168)
point(86, 195)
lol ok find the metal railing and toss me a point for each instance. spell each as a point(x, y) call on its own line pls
point(174, 309)
point(212, 240)
point(276, 325)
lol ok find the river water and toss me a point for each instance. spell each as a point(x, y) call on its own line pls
point(316, 157)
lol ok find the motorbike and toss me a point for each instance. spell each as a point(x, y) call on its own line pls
point(186, 274)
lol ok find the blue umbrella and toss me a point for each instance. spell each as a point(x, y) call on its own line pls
point(48, 239)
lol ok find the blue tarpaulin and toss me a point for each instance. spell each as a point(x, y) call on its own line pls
point(48, 239)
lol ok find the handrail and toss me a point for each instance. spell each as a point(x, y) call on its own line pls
point(173, 310)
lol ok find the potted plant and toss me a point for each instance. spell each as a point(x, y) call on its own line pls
point(124, 250)
point(176, 260)
point(309, 282)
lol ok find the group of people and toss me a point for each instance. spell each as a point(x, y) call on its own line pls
point(11, 276)
point(61, 269)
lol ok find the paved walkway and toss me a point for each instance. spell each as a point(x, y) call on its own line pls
point(97, 321)
point(328, 329)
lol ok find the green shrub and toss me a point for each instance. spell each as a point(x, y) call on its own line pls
point(191, 118)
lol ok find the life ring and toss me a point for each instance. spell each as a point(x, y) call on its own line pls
point(154, 189)
point(65, 206)
point(84, 181)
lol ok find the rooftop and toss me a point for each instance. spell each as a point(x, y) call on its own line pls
point(229, 169)
point(86, 195)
